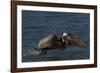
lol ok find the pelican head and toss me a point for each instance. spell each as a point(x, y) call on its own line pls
point(64, 35)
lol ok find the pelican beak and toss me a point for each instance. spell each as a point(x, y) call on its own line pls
point(63, 39)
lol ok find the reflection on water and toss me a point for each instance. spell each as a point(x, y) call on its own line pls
point(67, 54)
point(36, 24)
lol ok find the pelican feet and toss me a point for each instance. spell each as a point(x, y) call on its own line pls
point(43, 52)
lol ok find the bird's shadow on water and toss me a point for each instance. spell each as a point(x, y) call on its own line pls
point(56, 55)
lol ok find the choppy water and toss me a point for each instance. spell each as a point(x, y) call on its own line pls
point(36, 24)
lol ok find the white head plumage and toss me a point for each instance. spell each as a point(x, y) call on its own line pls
point(65, 34)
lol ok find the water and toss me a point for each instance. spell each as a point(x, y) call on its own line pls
point(36, 24)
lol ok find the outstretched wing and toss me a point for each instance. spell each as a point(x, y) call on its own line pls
point(74, 40)
point(45, 42)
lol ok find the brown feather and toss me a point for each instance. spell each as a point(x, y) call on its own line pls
point(74, 40)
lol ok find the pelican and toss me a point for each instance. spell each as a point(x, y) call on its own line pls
point(53, 42)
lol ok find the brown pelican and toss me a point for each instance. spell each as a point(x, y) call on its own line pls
point(54, 42)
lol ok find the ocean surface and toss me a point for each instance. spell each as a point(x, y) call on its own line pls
point(37, 24)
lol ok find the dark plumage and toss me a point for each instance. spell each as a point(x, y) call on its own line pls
point(53, 42)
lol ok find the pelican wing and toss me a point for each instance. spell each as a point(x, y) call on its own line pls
point(45, 42)
point(74, 40)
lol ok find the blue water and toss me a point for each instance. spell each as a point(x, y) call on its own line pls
point(36, 24)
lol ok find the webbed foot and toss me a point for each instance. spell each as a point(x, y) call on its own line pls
point(43, 53)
